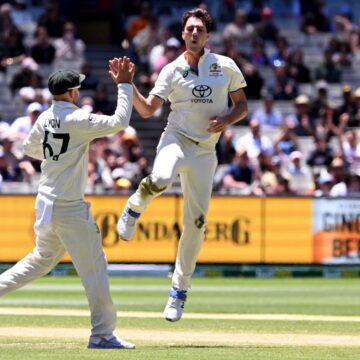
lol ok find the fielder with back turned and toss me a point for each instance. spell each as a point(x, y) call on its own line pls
point(60, 138)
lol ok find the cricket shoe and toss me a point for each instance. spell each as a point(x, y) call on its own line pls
point(126, 225)
point(113, 343)
point(175, 305)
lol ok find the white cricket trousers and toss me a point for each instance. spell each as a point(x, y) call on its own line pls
point(71, 227)
point(196, 164)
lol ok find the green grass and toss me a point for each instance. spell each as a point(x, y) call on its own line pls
point(215, 295)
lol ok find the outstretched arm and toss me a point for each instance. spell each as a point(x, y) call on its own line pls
point(146, 107)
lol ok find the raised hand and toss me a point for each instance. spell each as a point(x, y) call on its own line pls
point(121, 70)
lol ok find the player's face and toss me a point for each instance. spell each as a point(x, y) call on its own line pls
point(195, 35)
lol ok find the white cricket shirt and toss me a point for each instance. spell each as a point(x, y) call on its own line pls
point(195, 98)
point(60, 137)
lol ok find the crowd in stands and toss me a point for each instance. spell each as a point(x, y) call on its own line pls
point(267, 156)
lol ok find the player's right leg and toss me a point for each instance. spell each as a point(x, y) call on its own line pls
point(166, 165)
point(82, 240)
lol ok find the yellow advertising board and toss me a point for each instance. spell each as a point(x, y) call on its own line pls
point(239, 230)
point(288, 229)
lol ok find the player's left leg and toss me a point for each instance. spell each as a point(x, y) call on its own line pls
point(196, 183)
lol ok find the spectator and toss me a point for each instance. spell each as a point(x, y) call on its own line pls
point(22, 125)
point(348, 108)
point(301, 180)
point(22, 18)
point(258, 55)
point(343, 56)
point(171, 52)
point(130, 145)
point(286, 142)
point(302, 119)
point(254, 143)
point(340, 177)
point(323, 183)
point(255, 12)
point(253, 79)
point(148, 37)
point(328, 70)
point(70, 51)
point(42, 50)
point(319, 105)
point(27, 76)
point(322, 155)
point(317, 20)
point(267, 30)
point(296, 68)
point(91, 81)
point(52, 20)
point(239, 30)
point(283, 87)
point(268, 116)
point(12, 48)
point(102, 102)
point(240, 174)
point(141, 21)
point(225, 149)
point(282, 52)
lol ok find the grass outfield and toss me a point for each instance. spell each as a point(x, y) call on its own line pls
point(225, 319)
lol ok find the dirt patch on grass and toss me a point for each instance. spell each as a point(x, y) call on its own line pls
point(189, 338)
point(156, 315)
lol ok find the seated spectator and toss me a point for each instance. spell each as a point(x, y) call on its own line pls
point(343, 57)
point(301, 179)
point(141, 21)
point(322, 155)
point(171, 51)
point(22, 18)
point(240, 174)
point(130, 145)
point(52, 20)
point(27, 76)
point(283, 87)
point(339, 174)
point(22, 125)
point(348, 107)
point(91, 81)
point(328, 70)
point(253, 79)
point(12, 48)
point(239, 30)
point(254, 143)
point(286, 141)
point(296, 68)
point(350, 149)
point(267, 30)
point(102, 102)
point(268, 116)
point(42, 50)
point(282, 52)
point(225, 149)
point(258, 55)
point(323, 183)
point(302, 119)
point(316, 21)
point(319, 105)
point(69, 50)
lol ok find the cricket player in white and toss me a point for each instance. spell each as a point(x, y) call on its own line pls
point(60, 138)
point(198, 84)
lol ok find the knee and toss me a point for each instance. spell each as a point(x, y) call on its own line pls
point(154, 185)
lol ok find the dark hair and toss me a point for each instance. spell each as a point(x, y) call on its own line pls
point(200, 14)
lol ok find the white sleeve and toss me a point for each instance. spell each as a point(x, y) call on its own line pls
point(237, 80)
point(162, 86)
point(102, 125)
point(33, 143)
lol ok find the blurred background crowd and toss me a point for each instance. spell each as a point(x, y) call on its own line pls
point(301, 61)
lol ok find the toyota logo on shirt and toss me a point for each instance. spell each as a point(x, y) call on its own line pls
point(201, 92)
